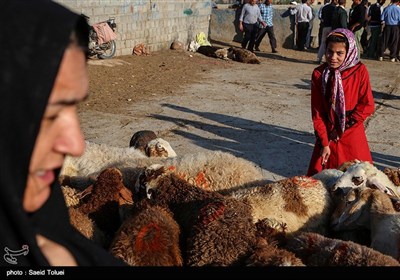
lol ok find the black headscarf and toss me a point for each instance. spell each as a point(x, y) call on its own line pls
point(33, 38)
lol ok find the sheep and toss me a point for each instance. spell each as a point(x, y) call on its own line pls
point(243, 55)
point(271, 237)
point(212, 51)
point(159, 148)
point(148, 238)
point(214, 170)
point(140, 139)
point(71, 195)
point(301, 202)
point(365, 174)
point(95, 158)
point(393, 174)
point(316, 250)
point(265, 254)
point(102, 205)
point(345, 165)
point(216, 230)
point(328, 177)
point(372, 209)
point(100, 156)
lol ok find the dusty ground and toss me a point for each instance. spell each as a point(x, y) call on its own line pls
point(258, 112)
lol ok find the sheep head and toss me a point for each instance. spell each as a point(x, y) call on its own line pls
point(353, 211)
point(364, 174)
point(141, 138)
point(159, 148)
point(222, 53)
point(146, 182)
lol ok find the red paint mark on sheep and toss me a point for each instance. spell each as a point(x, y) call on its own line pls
point(201, 180)
point(304, 181)
point(148, 238)
point(211, 212)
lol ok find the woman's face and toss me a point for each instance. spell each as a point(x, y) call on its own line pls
point(60, 133)
point(335, 54)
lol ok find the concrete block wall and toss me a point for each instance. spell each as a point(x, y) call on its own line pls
point(224, 27)
point(156, 23)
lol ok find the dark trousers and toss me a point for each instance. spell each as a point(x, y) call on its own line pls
point(261, 34)
point(250, 32)
point(302, 29)
point(374, 41)
point(390, 40)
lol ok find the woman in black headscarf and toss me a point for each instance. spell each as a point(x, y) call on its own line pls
point(43, 76)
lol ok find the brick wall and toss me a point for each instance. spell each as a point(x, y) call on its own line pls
point(156, 23)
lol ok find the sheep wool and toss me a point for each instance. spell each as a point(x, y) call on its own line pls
point(300, 202)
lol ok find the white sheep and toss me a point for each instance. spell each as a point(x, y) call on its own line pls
point(214, 170)
point(301, 202)
point(329, 177)
point(372, 209)
point(367, 175)
point(100, 156)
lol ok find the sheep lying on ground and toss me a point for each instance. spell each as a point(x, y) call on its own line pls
point(243, 55)
point(216, 230)
point(100, 156)
point(302, 203)
point(214, 170)
point(372, 209)
point(148, 238)
point(367, 175)
point(212, 51)
point(317, 250)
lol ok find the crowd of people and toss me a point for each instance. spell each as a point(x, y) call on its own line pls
point(376, 27)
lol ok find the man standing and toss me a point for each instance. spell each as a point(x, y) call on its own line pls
point(326, 18)
point(248, 23)
point(304, 15)
point(267, 12)
point(374, 14)
point(390, 36)
point(356, 22)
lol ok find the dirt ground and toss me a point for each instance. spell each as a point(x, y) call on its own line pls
point(258, 112)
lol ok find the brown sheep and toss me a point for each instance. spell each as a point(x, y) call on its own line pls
point(317, 250)
point(393, 174)
point(271, 237)
point(148, 238)
point(216, 230)
point(265, 254)
point(102, 205)
point(243, 55)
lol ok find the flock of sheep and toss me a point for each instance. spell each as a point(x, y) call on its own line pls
point(151, 207)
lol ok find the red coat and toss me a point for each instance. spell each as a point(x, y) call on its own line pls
point(359, 99)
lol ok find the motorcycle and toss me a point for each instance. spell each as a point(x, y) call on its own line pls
point(102, 38)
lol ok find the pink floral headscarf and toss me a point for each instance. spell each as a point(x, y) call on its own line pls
point(338, 103)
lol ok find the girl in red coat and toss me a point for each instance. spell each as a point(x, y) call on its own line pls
point(341, 99)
